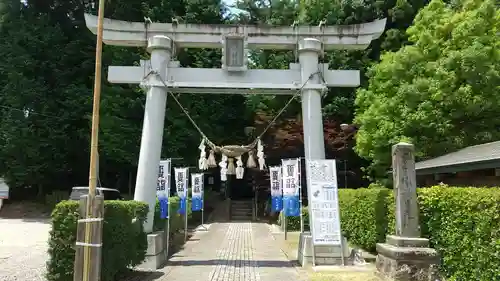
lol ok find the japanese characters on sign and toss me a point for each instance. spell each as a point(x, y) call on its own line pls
point(325, 218)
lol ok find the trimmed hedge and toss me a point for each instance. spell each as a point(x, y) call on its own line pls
point(176, 220)
point(124, 242)
point(463, 225)
point(364, 216)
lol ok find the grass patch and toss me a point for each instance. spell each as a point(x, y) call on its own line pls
point(344, 276)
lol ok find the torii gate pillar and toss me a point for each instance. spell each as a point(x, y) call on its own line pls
point(312, 117)
point(160, 47)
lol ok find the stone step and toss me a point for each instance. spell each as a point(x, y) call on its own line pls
point(241, 209)
point(242, 205)
point(241, 216)
point(249, 213)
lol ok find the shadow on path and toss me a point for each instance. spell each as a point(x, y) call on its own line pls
point(235, 263)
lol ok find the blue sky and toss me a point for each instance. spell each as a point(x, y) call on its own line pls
point(230, 3)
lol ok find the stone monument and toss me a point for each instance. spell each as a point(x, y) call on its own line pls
point(406, 256)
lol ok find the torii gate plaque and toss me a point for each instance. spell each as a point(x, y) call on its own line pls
point(232, 78)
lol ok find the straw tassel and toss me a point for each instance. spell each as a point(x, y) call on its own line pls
point(251, 160)
point(231, 170)
point(223, 168)
point(239, 168)
point(260, 155)
point(202, 162)
point(211, 160)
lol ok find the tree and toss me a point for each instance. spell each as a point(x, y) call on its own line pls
point(441, 92)
point(47, 69)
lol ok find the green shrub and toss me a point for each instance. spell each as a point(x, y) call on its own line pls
point(176, 220)
point(124, 242)
point(462, 224)
point(293, 223)
point(364, 215)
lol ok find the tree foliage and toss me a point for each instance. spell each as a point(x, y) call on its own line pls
point(441, 92)
point(47, 70)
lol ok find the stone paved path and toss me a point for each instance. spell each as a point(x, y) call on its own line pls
point(236, 251)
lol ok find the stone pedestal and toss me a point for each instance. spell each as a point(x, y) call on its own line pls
point(325, 255)
point(155, 254)
point(407, 259)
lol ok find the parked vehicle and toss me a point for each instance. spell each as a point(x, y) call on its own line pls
point(4, 191)
point(108, 193)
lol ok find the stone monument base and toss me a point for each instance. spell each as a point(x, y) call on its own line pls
point(325, 255)
point(407, 259)
point(155, 254)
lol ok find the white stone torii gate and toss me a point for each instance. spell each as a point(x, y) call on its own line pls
point(232, 78)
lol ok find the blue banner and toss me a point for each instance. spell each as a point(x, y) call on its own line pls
point(197, 192)
point(276, 204)
point(182, 206)
point(291, 206)
point(196, 204)
point(181, 182)
point(163, 208)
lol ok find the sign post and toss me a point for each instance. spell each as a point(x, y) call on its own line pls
point(197, 196)
point(325, 213)
point(181, 183)
point(299, 183)
point(163, 194)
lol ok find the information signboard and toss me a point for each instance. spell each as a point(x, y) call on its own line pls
point(325, 216)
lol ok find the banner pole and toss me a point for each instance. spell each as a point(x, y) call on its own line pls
point(286, 228)
point(168, 230)
point(203, 206)
point(186, 198)
point(300, 196)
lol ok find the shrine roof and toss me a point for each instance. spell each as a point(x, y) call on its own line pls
point(482, 156)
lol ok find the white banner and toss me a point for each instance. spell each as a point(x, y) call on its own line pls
point(181, 182)
point(290, 177)
point(324, 205)
point(163, 184)
point(275, 178)
point(197, 185)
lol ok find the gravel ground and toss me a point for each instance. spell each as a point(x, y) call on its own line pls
point(23, 249)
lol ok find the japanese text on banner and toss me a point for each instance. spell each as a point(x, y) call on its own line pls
point(276, 189)
point(291, 182)
point(197, 192)
point(181, 182)
point(163, 184)
point(290, 177)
